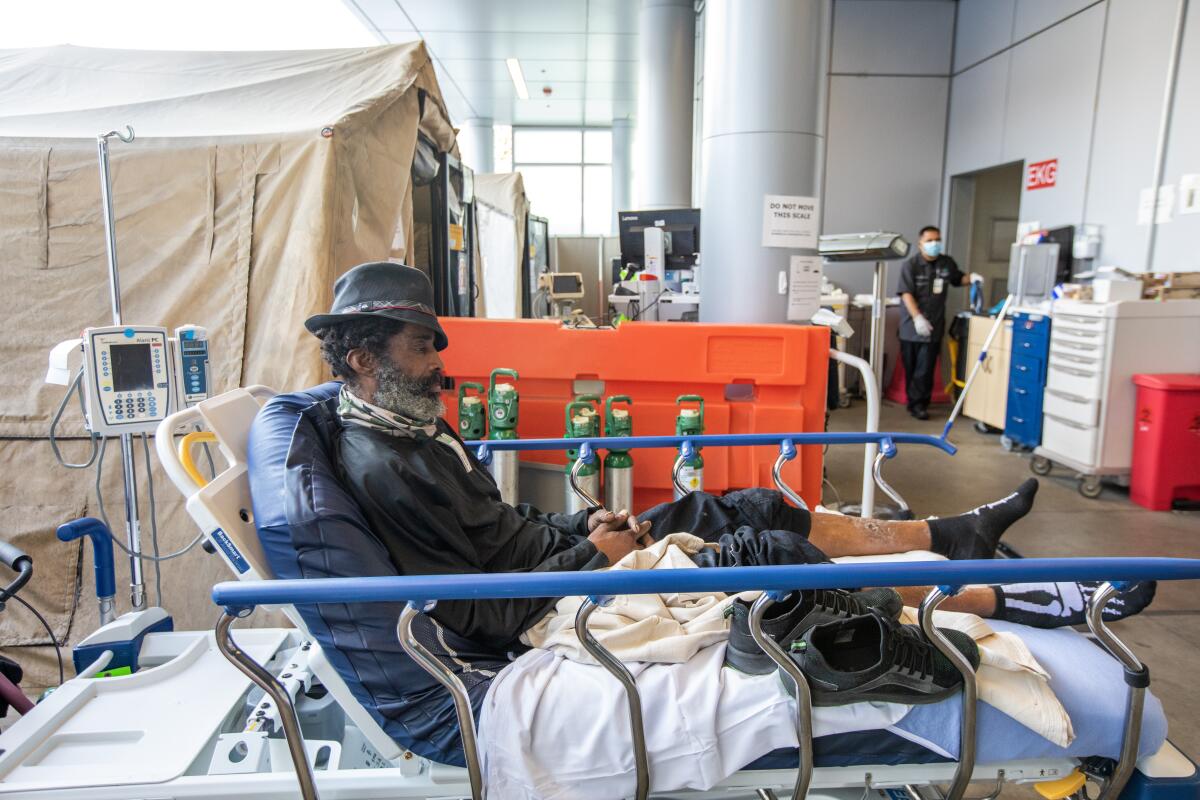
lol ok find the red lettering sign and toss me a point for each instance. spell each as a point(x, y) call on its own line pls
point(1041, 175)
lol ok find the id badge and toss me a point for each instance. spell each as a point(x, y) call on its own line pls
point(938, 285)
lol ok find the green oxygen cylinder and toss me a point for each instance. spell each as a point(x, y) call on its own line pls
point(472, 419)
point(582, 422)
point(618, 464)
point(690, 422)
point(503, 407)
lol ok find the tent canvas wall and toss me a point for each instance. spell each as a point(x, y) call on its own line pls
point(255, 179)
point(501, 210)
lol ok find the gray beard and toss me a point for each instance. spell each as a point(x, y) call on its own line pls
point(417, 398)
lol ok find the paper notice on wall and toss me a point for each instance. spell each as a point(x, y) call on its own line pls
point(789, 221)
point(804, 289)
point(1160, 212)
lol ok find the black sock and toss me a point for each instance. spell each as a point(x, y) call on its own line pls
point(1053, 605)
point(976, 533)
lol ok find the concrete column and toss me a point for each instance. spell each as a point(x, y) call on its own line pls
point(765, 86)
point(476, 145)
point(622, 165)
point(666, 69)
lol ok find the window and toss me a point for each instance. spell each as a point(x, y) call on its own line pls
point(568, 177)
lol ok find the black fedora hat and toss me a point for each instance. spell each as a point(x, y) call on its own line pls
point(382, 289)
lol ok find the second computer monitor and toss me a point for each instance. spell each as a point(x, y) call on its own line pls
point(683, 225)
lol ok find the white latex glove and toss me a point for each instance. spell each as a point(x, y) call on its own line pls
point(976, 277)
point(922, 325)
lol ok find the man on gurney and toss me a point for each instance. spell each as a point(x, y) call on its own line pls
point(437, 510)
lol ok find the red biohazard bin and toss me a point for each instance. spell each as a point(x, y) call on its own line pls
point(1166, 441)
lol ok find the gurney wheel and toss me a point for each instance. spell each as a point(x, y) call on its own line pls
point(1089, 486)
point(1039, 465)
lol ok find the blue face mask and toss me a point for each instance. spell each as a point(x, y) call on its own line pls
point(932, 249)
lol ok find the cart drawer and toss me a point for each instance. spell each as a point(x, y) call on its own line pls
point(1066, 321)
point(1073, 378)
point(1076, 409)
point(1027, 371)
point(1090, 338)
point(1076, 442)
point(1092, 360)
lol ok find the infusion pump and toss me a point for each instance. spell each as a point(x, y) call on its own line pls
point(134, 376)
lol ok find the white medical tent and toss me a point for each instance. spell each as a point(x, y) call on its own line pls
point(254, 180)
point(501, 209)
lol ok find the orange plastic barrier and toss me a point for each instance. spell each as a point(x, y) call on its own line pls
point(753, 378)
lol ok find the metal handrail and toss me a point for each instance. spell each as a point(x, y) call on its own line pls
point(966, 735)
point(421, 592)
point(420, 588)
point(637, 730)
point(484, 448)
point(1137, 677)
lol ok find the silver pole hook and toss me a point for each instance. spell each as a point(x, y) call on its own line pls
point(124, 137)
point(877, 471)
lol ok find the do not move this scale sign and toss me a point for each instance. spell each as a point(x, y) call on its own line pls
point(789, 221)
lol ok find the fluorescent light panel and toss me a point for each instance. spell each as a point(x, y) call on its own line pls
point(518, 77)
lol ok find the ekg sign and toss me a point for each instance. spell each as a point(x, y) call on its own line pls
point(1041, 175)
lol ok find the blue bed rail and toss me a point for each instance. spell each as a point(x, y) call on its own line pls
point(423, 589)
point(787, 442)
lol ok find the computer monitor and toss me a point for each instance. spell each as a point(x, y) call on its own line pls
point(683, 224)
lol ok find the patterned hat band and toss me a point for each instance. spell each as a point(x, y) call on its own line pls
point(384, 305)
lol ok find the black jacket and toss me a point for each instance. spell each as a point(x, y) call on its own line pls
point(437, 513)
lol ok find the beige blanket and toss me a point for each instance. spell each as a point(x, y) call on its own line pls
point(672, 628)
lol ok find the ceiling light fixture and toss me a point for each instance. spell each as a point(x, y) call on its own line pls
point(518, 77)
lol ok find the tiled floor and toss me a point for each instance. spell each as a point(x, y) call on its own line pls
point(1063, 523)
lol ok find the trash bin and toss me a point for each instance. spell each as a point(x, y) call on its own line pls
point(1166, 441)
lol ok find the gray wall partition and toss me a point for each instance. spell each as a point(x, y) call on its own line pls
point(764, 106)
point(666, 47)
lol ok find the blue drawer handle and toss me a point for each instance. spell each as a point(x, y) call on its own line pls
point(1021, 391)
point(1018, 420)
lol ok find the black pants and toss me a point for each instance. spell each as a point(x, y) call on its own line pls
point(755, 527)
point(920, 360)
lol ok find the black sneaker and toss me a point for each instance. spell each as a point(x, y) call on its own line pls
point(787, 621)
point(874, 658)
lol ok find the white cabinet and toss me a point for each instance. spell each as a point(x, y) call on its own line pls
point(1095, 350)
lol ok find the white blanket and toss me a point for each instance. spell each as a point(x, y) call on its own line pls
point(556, 729)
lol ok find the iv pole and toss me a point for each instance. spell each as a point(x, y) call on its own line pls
point(133, 532)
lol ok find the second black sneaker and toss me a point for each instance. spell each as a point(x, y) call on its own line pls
point(787, 621)
point(875, 658)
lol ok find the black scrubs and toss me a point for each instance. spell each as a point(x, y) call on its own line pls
point(928, 282)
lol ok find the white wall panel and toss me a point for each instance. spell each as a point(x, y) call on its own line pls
point(1131, 91)
point(884, 161)
point(1036, 15)
point(1051, 96)
point(1178, 245)
point(984, 28)
point(884, 36)
point(977, 108)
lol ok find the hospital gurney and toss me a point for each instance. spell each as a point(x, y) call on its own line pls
point(72, 745)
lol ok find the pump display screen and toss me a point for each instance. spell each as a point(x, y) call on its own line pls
point(132, 367)
point(565, 284)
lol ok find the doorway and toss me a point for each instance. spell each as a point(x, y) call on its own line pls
point(984, 209)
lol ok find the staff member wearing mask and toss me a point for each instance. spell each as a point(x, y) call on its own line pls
point(924, 278)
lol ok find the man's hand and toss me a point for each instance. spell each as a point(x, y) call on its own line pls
point(922, 325)
point(617, 534)
point(615, 539)
point(975, 277)
point(603, 515)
